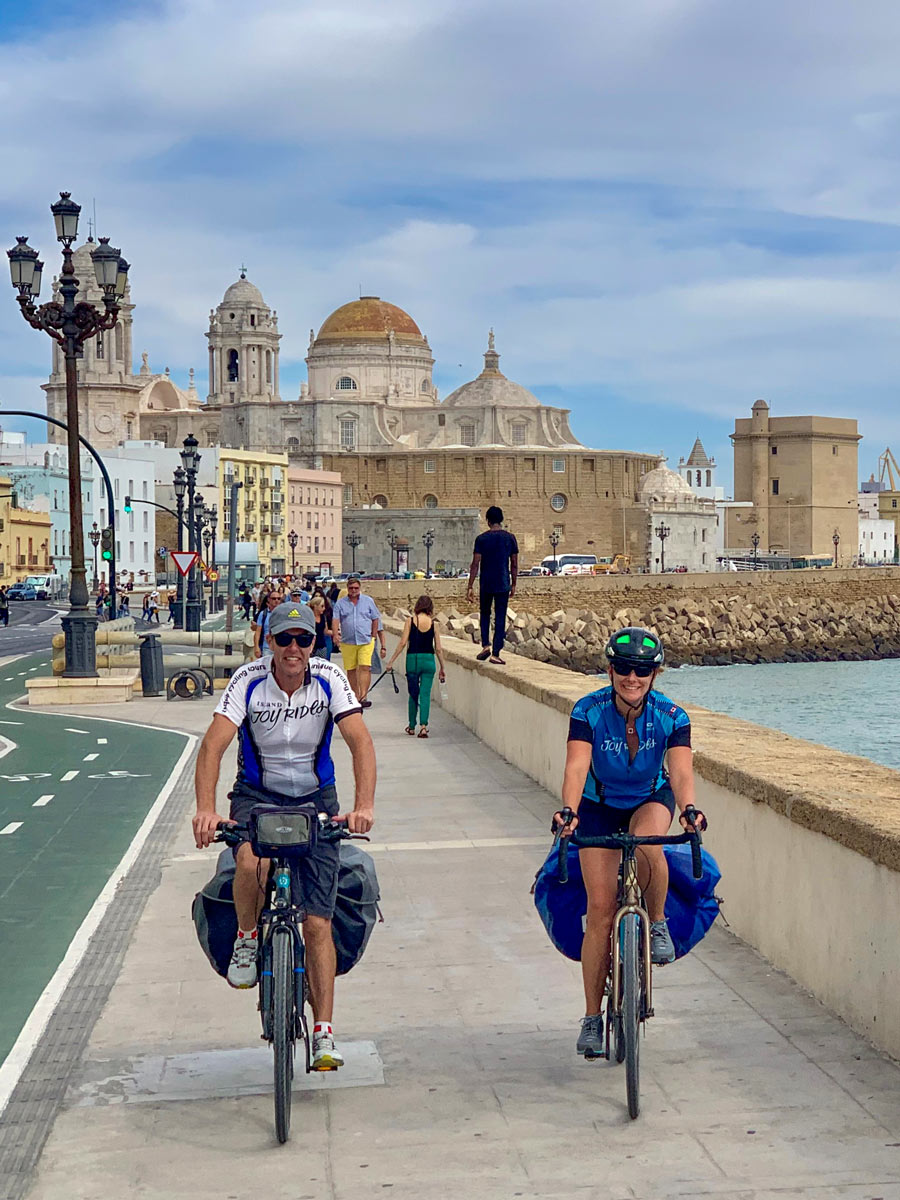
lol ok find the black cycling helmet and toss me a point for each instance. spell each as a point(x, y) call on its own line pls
point(635, 645)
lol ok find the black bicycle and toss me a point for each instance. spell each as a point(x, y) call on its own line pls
point(630, 987)
point(283, 835)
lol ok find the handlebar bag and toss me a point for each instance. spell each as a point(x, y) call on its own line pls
point(283, 830)
point(691, 904)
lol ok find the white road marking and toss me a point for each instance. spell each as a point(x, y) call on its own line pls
point(8, 678)
point(68, 730)
point(90, 757)
point(68, 775)
point(17, 1059)
point(11, 827)
point(32, 668)
point(12, 722)
point(42, 800)
point(102, 741)
point(20, 672)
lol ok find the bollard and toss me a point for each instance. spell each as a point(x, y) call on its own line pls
point(152, 679)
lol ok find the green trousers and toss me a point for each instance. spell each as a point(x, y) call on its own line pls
point(420, 669)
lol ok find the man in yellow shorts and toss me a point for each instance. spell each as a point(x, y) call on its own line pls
point(355, 622)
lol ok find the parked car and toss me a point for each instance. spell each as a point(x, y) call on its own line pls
point(22, 591)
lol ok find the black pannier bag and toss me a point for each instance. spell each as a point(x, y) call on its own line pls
point(355, 913)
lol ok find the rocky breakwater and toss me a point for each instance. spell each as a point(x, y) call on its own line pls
point(706, 631)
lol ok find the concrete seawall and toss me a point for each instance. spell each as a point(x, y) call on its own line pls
point(808, 838)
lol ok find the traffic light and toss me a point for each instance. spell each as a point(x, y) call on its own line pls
point(106, 544)
point(128, 504)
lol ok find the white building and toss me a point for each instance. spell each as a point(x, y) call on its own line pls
point(690, 522)
point(135, 531)
point(876, 533)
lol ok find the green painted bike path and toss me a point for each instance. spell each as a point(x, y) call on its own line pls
point(57, 853)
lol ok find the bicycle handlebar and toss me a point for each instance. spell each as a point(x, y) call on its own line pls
point(329, 831)
point(621, 841)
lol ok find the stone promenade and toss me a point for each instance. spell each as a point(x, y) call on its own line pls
point(459, 1028)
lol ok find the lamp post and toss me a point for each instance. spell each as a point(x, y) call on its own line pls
point(200, 519)
point(71, 325)
point(836, 539)
point(662, 532)
point(428, 542)
point(554, 542)
point(213, 525)
point(94, 535)
point(353, 540)
point(392, 542)
point(180, 487)
point(754, 542)
point(293, 539)
point(190, 461)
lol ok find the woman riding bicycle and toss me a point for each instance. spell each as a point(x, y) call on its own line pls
point(628, 764)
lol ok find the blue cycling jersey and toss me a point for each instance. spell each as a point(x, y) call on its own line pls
point(613, 778)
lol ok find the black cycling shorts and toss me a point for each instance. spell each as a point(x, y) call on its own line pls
point(600, 820)
point(314, 877)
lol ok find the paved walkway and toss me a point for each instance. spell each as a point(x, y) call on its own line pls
point(459, 1027)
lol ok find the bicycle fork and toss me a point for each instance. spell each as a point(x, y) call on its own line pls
point(616, 988)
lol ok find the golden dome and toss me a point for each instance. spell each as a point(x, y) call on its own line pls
point(366, 319)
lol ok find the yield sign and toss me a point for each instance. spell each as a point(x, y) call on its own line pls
point(184, 560)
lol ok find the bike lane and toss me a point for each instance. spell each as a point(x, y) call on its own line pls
point(74, 791)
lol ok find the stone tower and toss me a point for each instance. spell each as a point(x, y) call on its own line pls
point(108, 391)
point(243, 368)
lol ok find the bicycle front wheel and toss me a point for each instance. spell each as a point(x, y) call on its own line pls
point(283, 1028)
point(631, 1010)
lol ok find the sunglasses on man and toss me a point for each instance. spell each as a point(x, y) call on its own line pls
point(642, 670)
point(302, 639)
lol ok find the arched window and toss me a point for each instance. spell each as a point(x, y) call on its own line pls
point(431, 501)
point(709, 478)
point(467, 433)
point(345, 384)
point(558, 502)
point(379, 501)
point(99, 345)
point(268, 366)
point(120, 354)
point(425, 387)
point(699, 478)
point(234, 368)
point(293, 444)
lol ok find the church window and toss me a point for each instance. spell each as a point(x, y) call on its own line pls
point(774, 449)
point(703, 534)
point(348, 493)
point(559, 466)
point(425, 387)
point(560, 531)
point(120, 353)
point(428, 466)
point(467, 433)
point(431, 501)
point(234, 368)
point(530, 464)
point(519, 433)
point(346, 384)
point(293, 444)
point(774, 487)
point(268, 366)
point(699, 477)
point(379, 501)
point(834, 449)
point(442, 420)
point(129, 429)
point(231, 316)
point(99, 345)
point(709, 478)
point(558, 502)
point(348, 434)
point(252, 319)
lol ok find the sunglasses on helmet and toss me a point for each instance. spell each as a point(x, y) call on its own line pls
point(622, 666)
point(302, 639)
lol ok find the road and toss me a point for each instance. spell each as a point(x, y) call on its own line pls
point(73, 794)
point(32, 625)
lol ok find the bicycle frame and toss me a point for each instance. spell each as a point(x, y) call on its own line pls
point(632, 906)
point(279, 912)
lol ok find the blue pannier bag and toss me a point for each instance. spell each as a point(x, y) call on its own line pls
point(691, 905)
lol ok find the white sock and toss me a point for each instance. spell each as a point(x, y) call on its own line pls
point(247, 933)
point(323, 1027)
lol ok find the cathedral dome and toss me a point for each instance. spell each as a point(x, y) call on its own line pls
point(663, 484)
point(366, 319)
point(242, 291)
point(492, 387)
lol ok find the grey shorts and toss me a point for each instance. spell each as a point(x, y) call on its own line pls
point(314, 878)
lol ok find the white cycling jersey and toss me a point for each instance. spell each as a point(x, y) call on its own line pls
point(284, 742)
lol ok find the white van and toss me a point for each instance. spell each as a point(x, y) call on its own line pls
point(570, 564)
point(48, 587)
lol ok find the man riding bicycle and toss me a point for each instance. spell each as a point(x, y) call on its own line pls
point(284, 708)
point(628, 764)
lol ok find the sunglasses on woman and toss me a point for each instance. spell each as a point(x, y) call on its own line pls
point(302, 639)
point(642, 670)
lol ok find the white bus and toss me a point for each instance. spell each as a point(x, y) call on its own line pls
point(569, 564)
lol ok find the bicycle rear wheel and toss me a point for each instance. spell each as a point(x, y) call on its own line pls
point(631, 1010)
point(284, 1027)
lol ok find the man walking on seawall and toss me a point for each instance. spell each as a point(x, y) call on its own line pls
point(496, 554)
point(354, 627)
point(284, 709)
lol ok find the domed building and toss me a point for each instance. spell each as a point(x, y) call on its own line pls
point(681, 526)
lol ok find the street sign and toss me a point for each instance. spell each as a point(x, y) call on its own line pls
point(162, 551)
point(184, 560)
point(212, 576)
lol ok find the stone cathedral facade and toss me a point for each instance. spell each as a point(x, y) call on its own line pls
point(370, 410)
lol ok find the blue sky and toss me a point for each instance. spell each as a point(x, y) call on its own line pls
point(665, 209)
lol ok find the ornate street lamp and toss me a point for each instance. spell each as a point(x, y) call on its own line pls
point(71, 325)
point(190, 462)
point(754, 542)
point(353, 540)
point(392, 542)
point(94, 535)
point(662, 532)
point(213, 526)
point(428, 542)
point(836, 539)
point(554, 542)
point(180, 487)
point(293, 539)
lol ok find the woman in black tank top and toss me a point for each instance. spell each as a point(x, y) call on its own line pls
point(422, 642)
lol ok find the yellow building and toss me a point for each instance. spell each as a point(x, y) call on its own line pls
point(261, 503)
point(24, 539)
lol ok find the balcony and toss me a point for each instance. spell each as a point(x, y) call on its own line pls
point(265, 504)
point(278, 497)
point(266, 529)
point(277, 525)
point(248, 529)
point(20, 560)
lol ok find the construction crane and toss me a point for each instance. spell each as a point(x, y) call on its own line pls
point(887, 465)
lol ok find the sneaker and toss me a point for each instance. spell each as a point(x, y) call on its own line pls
point(242, 968)
point(662, 950)
point(324, 1056)
point(590, 1040)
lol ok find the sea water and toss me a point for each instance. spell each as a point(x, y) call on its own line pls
point(850, 706)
